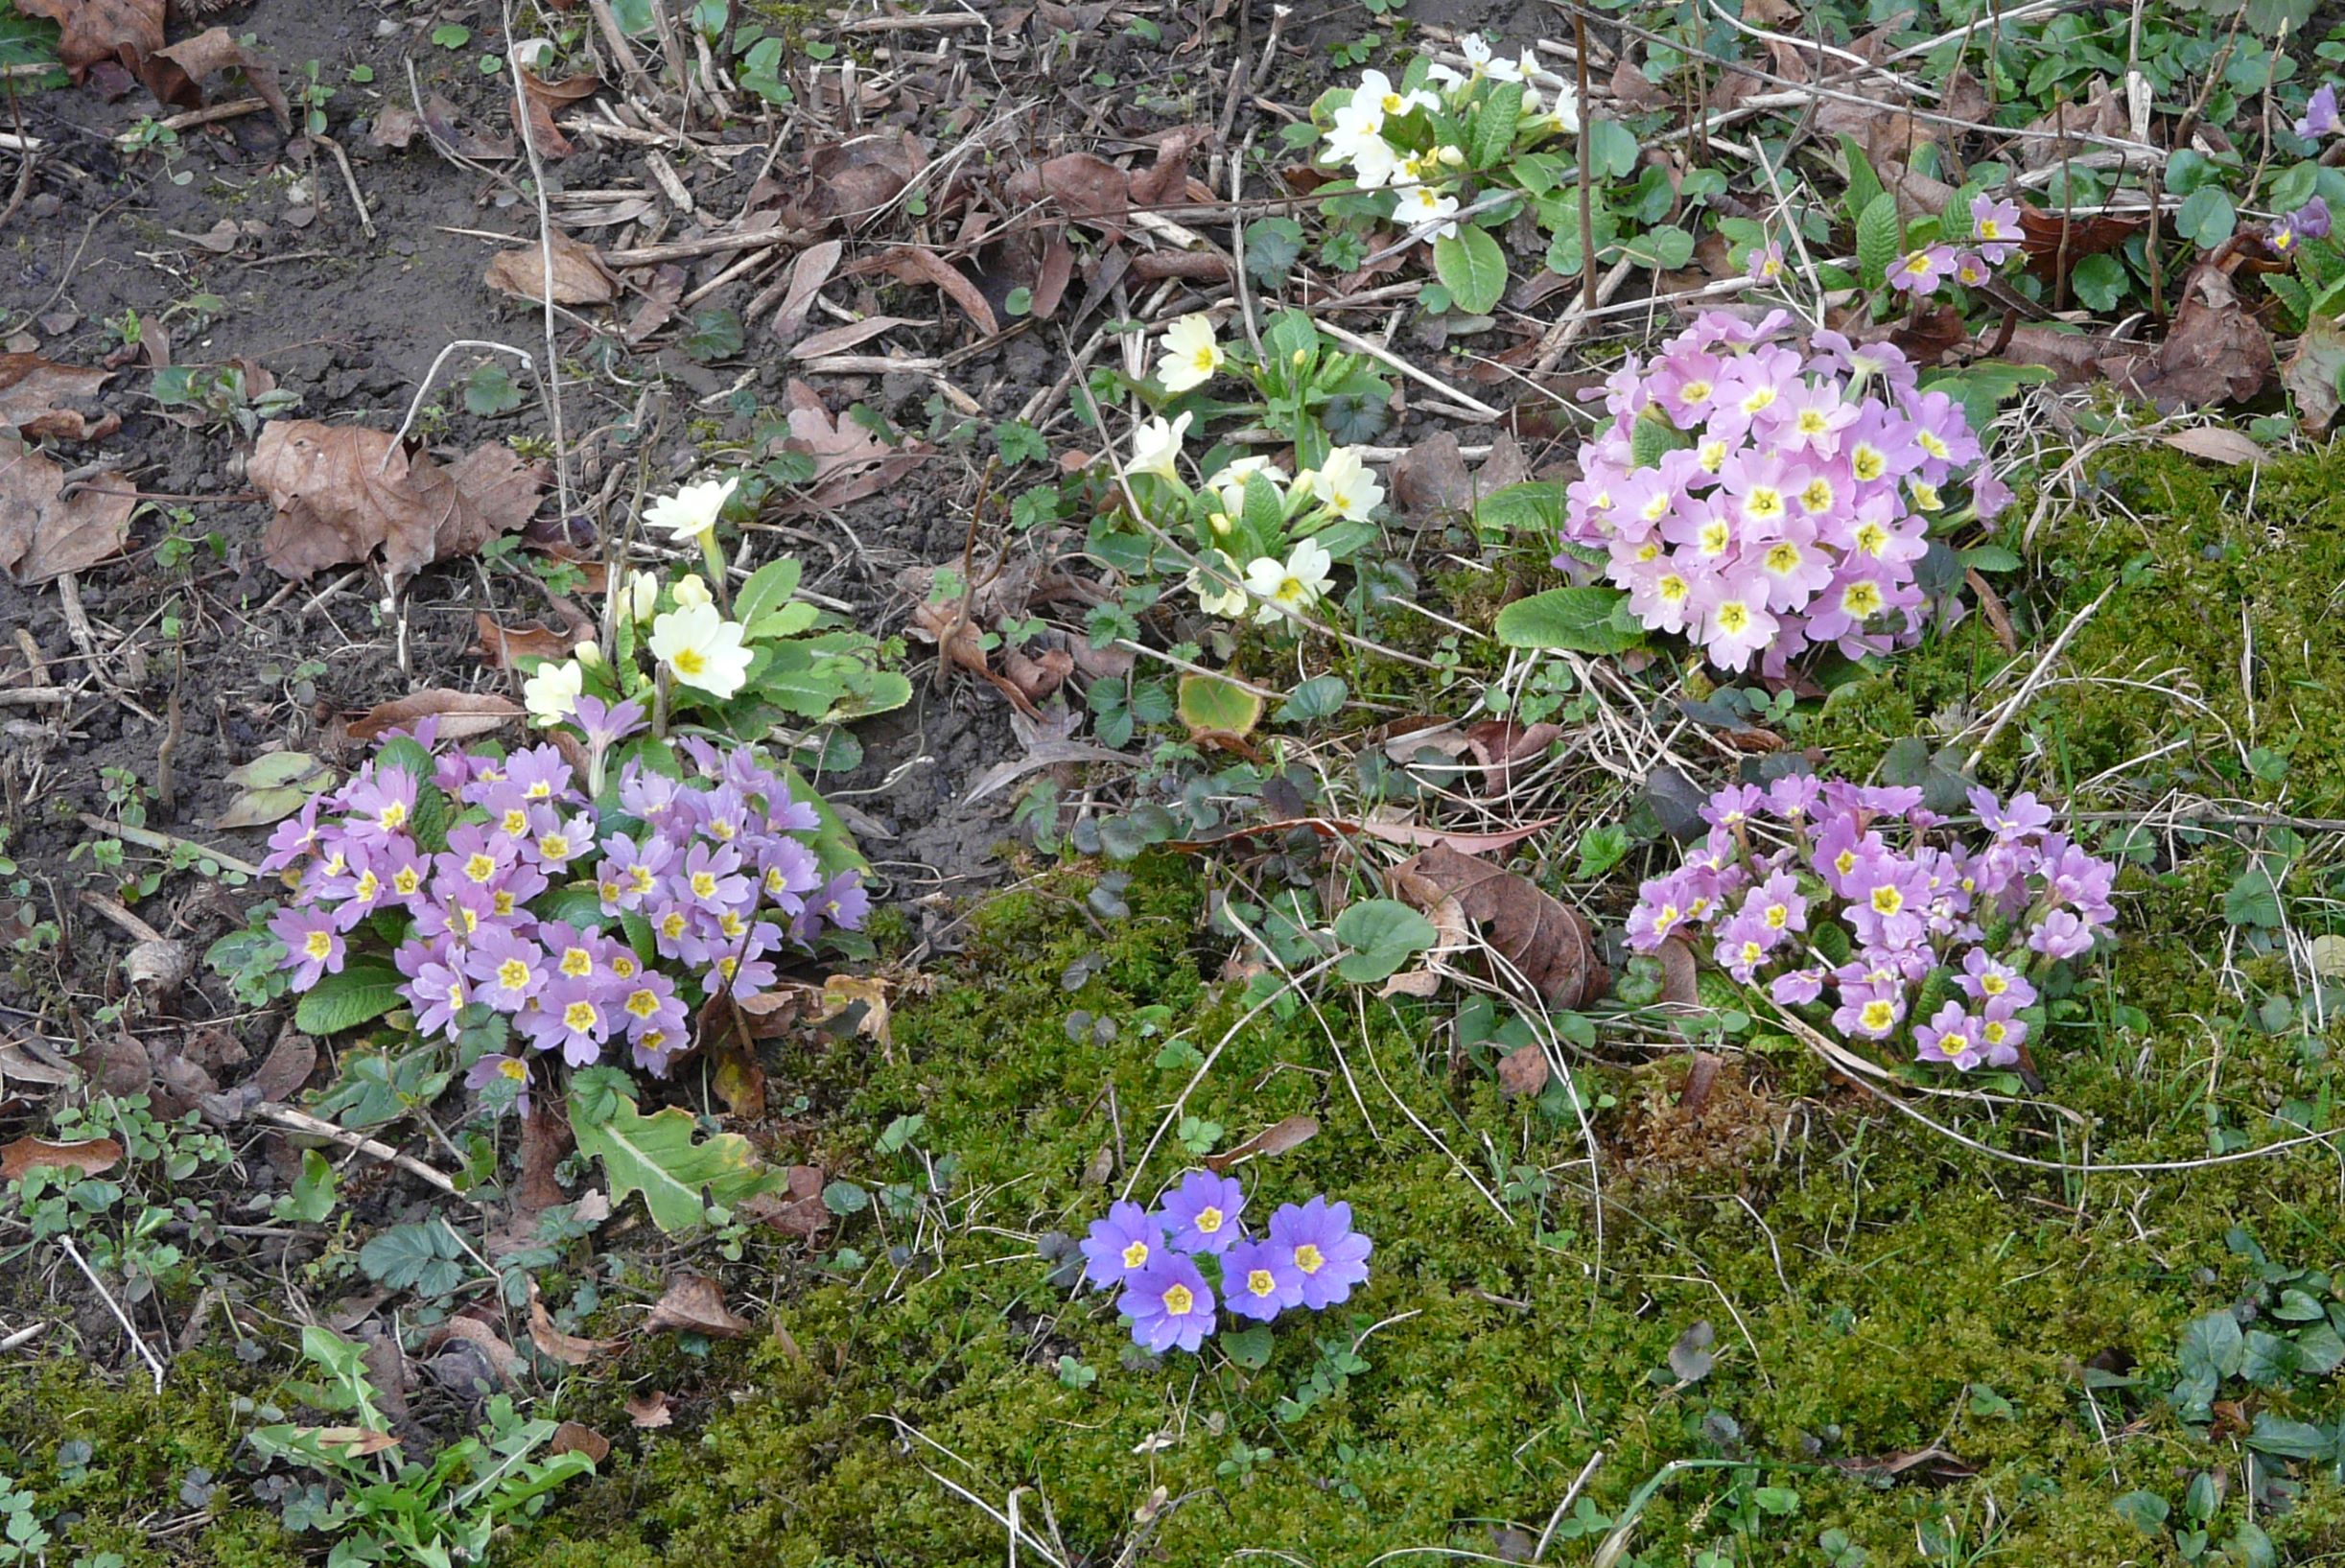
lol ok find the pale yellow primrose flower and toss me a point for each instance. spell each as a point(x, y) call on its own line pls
point(692, 593)
point(1192, 355)
point(693, 510)
point(552, 694)
point(1292, 587)
point(1214, 580)
point(1156, 446)
point(702, 648)
point(643, 593)
point(1344, 483)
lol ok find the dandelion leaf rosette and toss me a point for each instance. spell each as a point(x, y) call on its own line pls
point(659, 1157)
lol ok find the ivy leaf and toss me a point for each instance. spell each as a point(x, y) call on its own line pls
point(2100, 281)
point(1612, 149)
point(715, 335)
point(489, 391)
point(365, 989)
point(2144, 1511)
point(1662, 248)
point(657, 1157)
point(1211, 705)
point(1315, 699)
point(1583, 620)
point(2287, 1439)
point(2207, 216)
point(1472, 267)
point(1534, 506)
point(1383, 935)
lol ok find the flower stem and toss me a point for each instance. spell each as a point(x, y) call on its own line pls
point(712, 555)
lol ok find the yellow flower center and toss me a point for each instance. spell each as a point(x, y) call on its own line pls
point(1817, 498)
point(1179, 1301)
point(1674, 587)
point(406, 881)
point(1753, 953)
point(1760, 398)
point(1715, 537)
point(1989, 229)
point(1861, 600)
point(1694, 391)
point(502, 901)
point(540, 790)
point(579, 1017)
point(1812, 422)
point(1929, 441)
point(1778, 915)
point(578, 962)
point(516, 823)
point(624, 966)
point(672, 926)
point(455, 994)
point(318, 944)
point(1868, 461)
point(1733, 617)
point(514, 1069)
point(1665, 916)
point(1783, 557)
point(1871, 538)
point(368, 885)
point(512, 975)
point(554, 847)
point(1887, 901)
point(1308, 1258)
point(480, 868)
point(1844, 863)
point(1878, 1015)
point(704, 884)
point(1209, 1221)
point(1135, 1255)
point(464, 917)
point(1259, 1282)
point(641, 879)
point(392, 815)
point(730, 923)
point(643, 1003)
point(1994, 1032)
point(1953, 1044)
point(690, 662)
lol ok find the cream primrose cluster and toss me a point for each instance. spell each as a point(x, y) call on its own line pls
point(1764, 502)
point(457, 861)
point(1856, 902)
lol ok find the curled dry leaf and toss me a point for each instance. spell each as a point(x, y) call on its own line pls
point(344, 494)
point(813, 268)
point(2214, 351)
point(579, 277)
point(570, 1349)
point(1275, 1139)
point(462, 714)
point(2216, 443)
point(43, 535)
point(443, 121)
point(918, 264)
point(502, 1357)
point(89, 1158)
point(649, 1410)
point(504, 647)
point(1543, 943)
point(1431, 483)
point(352, 1442)
point(98, 29)
point(175, 75)
point(537, 101)
point(799, 1212)
point(843, 993)
point(2312, 373)
point(1501, 746)
point(1679, 975)
point(850, 462)
point(394, 127)
point(693, 1304)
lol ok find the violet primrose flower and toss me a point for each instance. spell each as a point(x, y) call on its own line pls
point(714, 872)
point(1170, 1304)
point(1843, 900)
point(2320, 114)
point(1319, 1242)
point(1202, 1212)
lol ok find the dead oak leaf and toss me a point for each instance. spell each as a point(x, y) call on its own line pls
point(32, 387)
point(579, 277)
point(344, 494)
point(693, 1304)
point(1544, 944)
point(849, 180)
point(44, 534)
point(175, 75)
point(98, 30)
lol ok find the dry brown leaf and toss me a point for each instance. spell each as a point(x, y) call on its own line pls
point(338, 502)
point(394, 127)
point(693, 1304)
point(918, 264)
point(2102, 113)
point(2311, 373)
point(95, 29)
point(850, 463)
point(1391, 833)
point(1057, 271)
point(1275, 1139)
point(813, 268)
point(462, 714)
point(570, 1349)
point(842, 991)
point(1431, 483)
point(840, 339)
point(1633, 88)
point(65, 425)
point(1545, 942)
point(43, 536)
point(1498, 744)
point(579, 277)
point(571, 1438)
point(504, 646)
point(2088, 236)
point(662, 293)
point(32, 388)
point(798, 1212)
point(545, 1140)
point(2214, 351)
point(849, 181)
point(175, 75)
point(1679, 975)
point(501, 1358)
point(89, 1157)
point(2216, 443)
point(649, 1410)
point(537, 101)
point(1523, 1070)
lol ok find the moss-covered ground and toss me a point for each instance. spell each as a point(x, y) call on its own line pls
point(1874, 1289)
